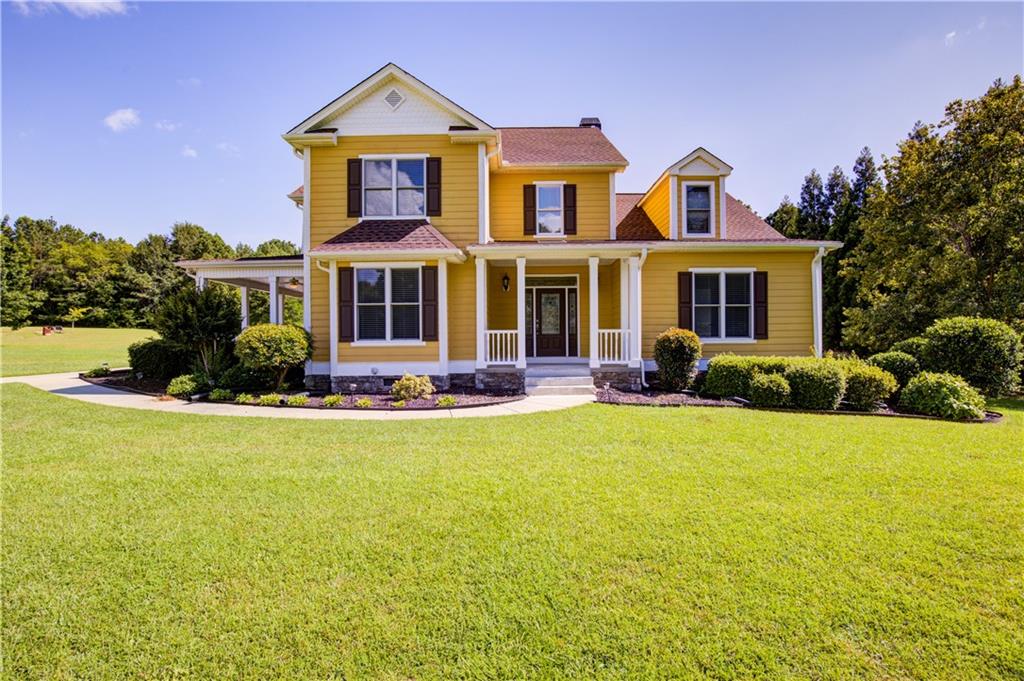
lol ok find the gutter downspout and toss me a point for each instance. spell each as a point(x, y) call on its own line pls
point(817, 293)
point(487, 190)
point(640, 314)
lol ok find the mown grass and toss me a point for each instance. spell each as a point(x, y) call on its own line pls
point(601, 542)
point(27, 351)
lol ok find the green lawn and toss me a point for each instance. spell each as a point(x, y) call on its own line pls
point(602, 542)
point(27, 351)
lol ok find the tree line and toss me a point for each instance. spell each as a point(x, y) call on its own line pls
point(60, 274)
point(937, 232)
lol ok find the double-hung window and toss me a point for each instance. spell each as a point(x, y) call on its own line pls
point(697, 209)
point(394, 187)
point(723, 305)
point(388, 304)
point(550, 219)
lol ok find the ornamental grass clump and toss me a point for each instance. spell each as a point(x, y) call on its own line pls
point(333, 400)
point(298, 400)
point(816, 384)
point(943, 395)
point(364, 403)
point(769, 390)
point(269, 400)
point(866, 385)
point(410, 387)
point(446, 401)
point(275, 348)
point(399, 404)
point(244, 398)
point(676, 352)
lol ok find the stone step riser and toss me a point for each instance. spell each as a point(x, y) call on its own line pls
point(560, 390)
point(585, 381)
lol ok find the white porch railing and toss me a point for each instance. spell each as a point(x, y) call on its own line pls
point(613, 346)
point(502, 346)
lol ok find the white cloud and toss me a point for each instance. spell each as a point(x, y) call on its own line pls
point(229, 149)
point(950, 38)
point(82, 9)
point(190, 82)
point(189, 152)
point(981, 24)
point(166, 126)
point(122, 119)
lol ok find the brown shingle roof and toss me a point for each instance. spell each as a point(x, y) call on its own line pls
point(298, 193)
point(633, 222)
point(742, 224)
point(558, 146)
point(385, 235)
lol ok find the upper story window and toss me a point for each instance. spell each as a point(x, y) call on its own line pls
point(723, 304)
point(387, 303)
point(697, 212)
point(394, 187)
point(550, 219)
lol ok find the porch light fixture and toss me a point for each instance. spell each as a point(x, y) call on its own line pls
point(504, 283)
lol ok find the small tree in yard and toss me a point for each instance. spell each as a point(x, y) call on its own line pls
point(204, 322)
point(75, 314)
point(273, 347)
point(676, 351)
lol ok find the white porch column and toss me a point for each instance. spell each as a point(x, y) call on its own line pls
point(634, 313)
point(275, 313)
point(442, 314)
point(816, 300)
point(200, 282)
point(332, 301)
point(624, 295)
point(481, 313)
point(521, 313)
point(244, 290)
point(280, 308)
point(592, 312)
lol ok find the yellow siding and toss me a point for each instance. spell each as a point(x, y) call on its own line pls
point(608, 296)
point(319, 314)
point(790, 320)
point(428, 352)
point(719, 201)
point(656, 206)
point(462, 311)
point(593, 192)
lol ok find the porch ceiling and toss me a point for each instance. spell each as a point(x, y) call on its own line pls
point(291, 290)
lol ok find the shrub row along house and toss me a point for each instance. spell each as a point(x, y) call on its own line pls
point(435, 243)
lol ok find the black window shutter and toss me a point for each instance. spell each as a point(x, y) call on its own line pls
point(346, 305)
point(529, 209)
point(429, 309)
point(355, 188)
point(433, 186)
point(685, 300)
point(760, 304)
point(569, 199)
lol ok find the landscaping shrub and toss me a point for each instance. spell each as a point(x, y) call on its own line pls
point(410, 387)
point(158, 358)
point(221, 395)
point(866, 385)
point(274, 348)
point(203, 322)
point(816, 384)
point(399, 404)
point(916, 347)
point(97, 372)
point(730, 375)
point(984, 352)
point(364, 403)
point(187, 385)
point(676, 352)
point(943, 395)
point(446, 401)
point(333, 400)
point(269, 400)
point(298, 400)
point(241, 378)
point(769, 390)
point(901, 365)
point(244, 398)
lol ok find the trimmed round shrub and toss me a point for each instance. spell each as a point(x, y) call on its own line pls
point(867, 385)
point(158, 358)
point(943, 395)
point(730, 375)
point(901, 365)
point(410, 387)
point(185, 385)
point(984, 352)
point(241, 378)
point(676, 352)
point(769, 390)
point(273, 347)
point(816, 384)
point(916, 347)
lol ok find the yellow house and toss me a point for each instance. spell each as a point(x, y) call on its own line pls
point(434, 243)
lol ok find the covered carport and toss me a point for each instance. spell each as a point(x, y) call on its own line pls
point(278, 276)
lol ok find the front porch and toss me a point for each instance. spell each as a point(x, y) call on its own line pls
point(280, 277)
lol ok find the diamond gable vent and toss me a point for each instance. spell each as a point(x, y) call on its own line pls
point(394, 98)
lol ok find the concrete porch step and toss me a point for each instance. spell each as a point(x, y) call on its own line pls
point(550, 370)
point(561, 390)
point(533, 381)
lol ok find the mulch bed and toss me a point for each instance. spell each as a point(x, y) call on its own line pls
point(462, 400)
point(125, 380)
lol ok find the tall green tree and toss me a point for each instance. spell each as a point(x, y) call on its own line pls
point(812, 222)
point(944, 238)
point(785, 217)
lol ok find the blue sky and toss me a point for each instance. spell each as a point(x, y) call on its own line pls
point(127, 118)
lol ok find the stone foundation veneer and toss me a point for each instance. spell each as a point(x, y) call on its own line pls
point(620, 378)
point(504, 380)
point(319, 383)
point(377, 385)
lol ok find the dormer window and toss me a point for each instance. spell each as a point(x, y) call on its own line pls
point(394, 187)
point(697, 214)
point(549, 210)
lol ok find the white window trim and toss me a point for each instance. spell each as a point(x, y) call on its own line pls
point(561, 208)
point(394, 158)
point(721, 272)
point(712, 222)
point(387, 340)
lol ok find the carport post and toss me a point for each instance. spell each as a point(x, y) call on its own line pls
point(245, 306)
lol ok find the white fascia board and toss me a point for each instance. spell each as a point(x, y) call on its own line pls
point(391, 255)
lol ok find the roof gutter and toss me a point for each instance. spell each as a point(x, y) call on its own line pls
point(386, 255)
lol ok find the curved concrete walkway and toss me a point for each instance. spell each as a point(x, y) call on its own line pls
point(69, 385)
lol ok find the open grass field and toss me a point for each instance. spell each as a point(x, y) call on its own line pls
point(601, 542)
point(26, 351)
